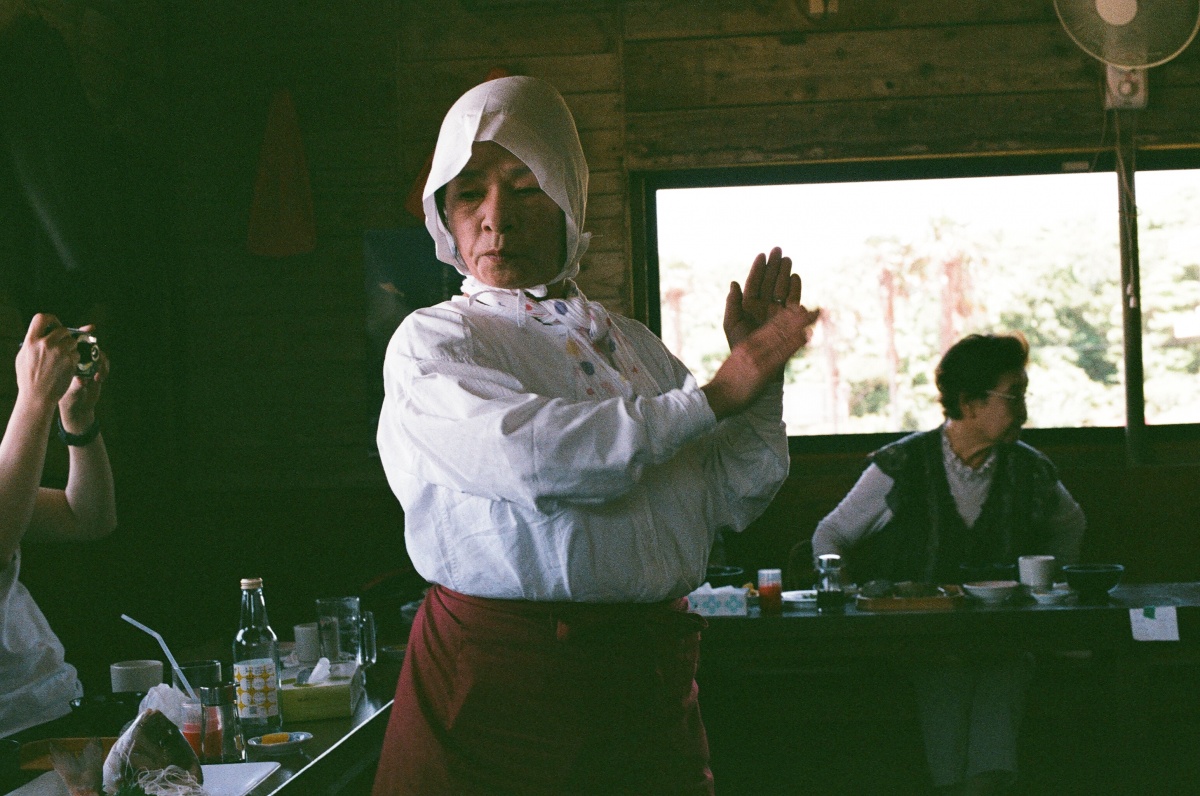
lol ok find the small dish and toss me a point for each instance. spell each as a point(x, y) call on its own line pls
point(991, 592)
point(1050, 596)
point(293, 743)
point(800, 596)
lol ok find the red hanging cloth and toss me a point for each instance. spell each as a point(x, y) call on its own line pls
point(281, 213)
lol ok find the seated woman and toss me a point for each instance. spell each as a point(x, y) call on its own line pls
point(966, 494)
point(36, 683)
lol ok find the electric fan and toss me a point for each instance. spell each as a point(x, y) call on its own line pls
point(1129, 36)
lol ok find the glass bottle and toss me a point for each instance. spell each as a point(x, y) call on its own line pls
point(256, 665)
point(830, 596)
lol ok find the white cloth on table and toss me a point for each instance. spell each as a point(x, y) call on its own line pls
point(518, 484)
point(36, 683)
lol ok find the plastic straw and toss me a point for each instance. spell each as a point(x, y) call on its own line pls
point(174, 665)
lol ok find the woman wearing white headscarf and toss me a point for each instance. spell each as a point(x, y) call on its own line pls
point(563, 477)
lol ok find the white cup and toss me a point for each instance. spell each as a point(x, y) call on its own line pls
point(1037, 572)
point(308, 642)
point(138, 676)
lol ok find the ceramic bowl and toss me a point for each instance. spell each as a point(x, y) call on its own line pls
point(1093, 581)
point(1050, 596)
point(991, 592)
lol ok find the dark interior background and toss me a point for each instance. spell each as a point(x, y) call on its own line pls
point(240, 413)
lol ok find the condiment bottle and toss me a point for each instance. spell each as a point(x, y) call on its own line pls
point(220, 707)
point(201, 728)
point(830, 596)
point(256, 665)
point(770, 592)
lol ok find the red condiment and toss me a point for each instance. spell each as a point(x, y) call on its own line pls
point(212, 737)
point(770, 599)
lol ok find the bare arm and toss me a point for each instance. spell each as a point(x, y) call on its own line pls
point(765, 325)
point(46, 376)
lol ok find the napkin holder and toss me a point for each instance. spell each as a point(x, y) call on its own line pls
point(723, 601)
point(333, 698)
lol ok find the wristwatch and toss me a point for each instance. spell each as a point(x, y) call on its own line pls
point(78, 440)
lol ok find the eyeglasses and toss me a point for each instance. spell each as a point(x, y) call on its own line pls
point(1019, 399)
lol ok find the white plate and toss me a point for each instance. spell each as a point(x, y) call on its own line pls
point(800, 596)
point(221, 779)
point(48, 784)
point(235, 779)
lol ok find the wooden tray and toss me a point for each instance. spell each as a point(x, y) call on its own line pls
point(35, 755)
point(952, 598)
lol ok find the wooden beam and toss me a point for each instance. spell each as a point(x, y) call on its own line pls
point(875, 129)
point(690, 19)
point(750, 71)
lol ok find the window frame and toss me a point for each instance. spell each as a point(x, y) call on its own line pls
point(1141, 442)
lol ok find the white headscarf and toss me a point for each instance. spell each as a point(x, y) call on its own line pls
point(529, 118)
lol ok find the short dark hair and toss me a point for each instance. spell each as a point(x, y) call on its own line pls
point(975, 364)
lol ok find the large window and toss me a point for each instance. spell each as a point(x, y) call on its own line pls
point(1169, 244)
point(903, 262)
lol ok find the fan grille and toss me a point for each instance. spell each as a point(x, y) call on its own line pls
point(1159, 31)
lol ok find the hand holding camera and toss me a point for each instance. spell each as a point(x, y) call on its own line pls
point(50, 359)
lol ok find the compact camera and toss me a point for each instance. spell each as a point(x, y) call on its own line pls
point(89, 352)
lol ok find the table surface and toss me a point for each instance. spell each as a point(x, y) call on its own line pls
point(973, 627)
point(339, 747)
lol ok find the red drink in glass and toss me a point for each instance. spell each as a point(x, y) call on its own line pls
point(770, 592)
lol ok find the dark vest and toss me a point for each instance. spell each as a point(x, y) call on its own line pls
point(926, 539)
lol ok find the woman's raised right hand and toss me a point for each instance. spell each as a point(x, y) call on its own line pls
point(47, 360)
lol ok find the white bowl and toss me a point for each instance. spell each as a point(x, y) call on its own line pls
point(1050, 596)
point(991, 592)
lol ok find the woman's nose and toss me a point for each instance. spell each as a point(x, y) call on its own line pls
point(496, 210)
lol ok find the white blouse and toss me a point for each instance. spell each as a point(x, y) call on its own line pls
point(36, 683)
point(517, 484)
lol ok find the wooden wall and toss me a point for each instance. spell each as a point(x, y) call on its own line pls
point(245, 442)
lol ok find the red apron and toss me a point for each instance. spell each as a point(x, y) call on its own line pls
point(507, 696)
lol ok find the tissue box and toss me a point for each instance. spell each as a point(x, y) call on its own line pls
point(725, 601)
point(334, 698)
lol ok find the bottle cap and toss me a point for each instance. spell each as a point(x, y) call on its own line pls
point(829, 561)
point(251, 583)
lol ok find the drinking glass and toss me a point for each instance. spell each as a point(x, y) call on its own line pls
point(347, 632)
point(199, 674)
